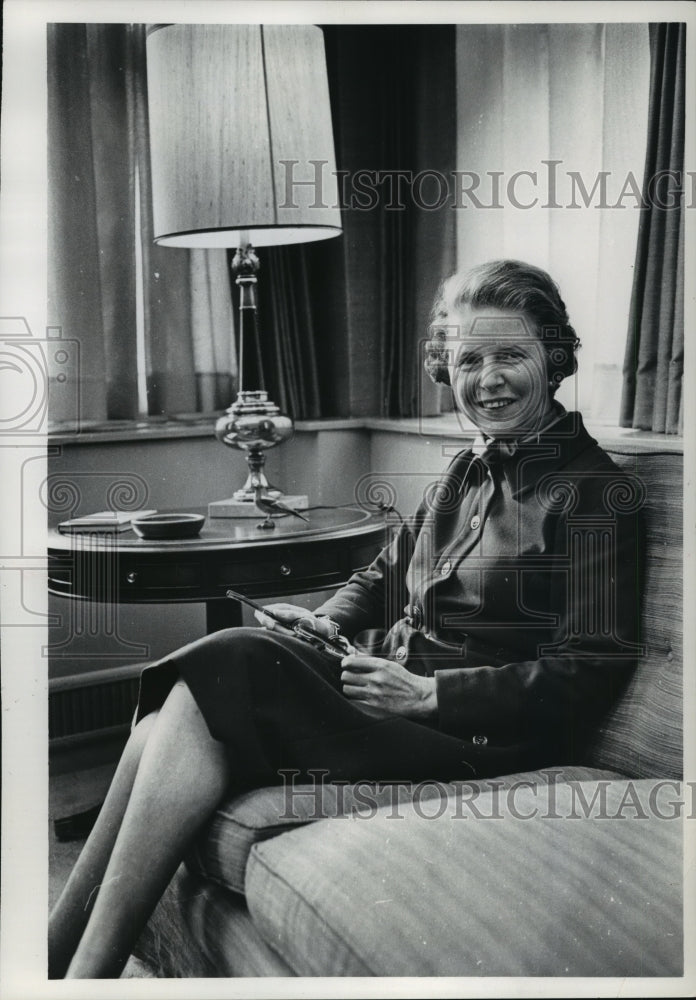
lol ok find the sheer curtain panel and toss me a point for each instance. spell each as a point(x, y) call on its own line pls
point(551, 134)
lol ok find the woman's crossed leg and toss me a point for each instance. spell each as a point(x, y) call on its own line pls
point(171, 777)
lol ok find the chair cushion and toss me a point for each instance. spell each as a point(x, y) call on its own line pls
point(567, 892)
point(244, 820)
point(641, 735)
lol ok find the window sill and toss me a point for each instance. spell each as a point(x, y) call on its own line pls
point(447, 426)
point(154, 429)
point(610, 437)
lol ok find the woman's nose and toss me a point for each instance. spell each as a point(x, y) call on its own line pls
point(491, 375)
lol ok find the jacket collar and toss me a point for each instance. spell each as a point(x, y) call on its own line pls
point(508, 447)
point(550, 452)
point(546, 452)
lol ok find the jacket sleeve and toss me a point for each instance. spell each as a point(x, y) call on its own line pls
point(582, 667)
point(374, 597)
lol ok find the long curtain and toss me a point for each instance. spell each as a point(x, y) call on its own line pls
point(91, 221)
point(212, 330)
point(654, 363)
point(393, 101)
point(151, 322)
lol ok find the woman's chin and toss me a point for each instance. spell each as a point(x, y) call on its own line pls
point(502, 430)
point(514, 420)
point(495, 423)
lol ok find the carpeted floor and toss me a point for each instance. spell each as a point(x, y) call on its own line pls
point(70, 793)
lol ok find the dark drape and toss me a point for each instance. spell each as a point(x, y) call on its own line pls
point(654, 361)
point(393, 99)
point(290, 341)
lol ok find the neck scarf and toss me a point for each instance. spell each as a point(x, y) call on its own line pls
point(492, 450)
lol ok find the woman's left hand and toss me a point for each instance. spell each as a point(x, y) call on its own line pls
point(387, 686)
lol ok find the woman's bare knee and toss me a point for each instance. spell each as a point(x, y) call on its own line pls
point(181, 705)
point(139, 735)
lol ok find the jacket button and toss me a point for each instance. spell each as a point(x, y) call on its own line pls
point(400, 653)
point(475, 522)
point(479, 741)
point(445, 568)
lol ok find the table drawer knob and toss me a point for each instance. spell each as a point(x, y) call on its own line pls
point(132, 577)
point(285, 570)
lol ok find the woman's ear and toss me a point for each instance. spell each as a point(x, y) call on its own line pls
point(554, 383)
point(436, 358)
point(437, 370)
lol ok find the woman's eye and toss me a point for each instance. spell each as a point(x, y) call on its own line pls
point(507, 356)
point(468, 361)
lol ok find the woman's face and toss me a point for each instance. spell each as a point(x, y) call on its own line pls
point(498, 371)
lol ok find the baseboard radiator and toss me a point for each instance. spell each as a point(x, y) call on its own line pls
point(98, 701)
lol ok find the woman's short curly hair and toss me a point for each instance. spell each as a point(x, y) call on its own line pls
point(507, 285)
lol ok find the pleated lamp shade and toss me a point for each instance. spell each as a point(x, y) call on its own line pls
point(239, 119)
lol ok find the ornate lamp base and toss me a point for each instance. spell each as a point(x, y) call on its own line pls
point(252, 424)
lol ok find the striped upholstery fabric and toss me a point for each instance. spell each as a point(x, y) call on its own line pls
point(465, 896)
point(642, 735)
point(256, 816)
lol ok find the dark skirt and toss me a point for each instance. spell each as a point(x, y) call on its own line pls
point(277, 704)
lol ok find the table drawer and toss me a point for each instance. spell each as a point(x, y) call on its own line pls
point(161, 576)
point(293, 564)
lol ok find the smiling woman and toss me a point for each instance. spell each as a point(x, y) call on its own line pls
point(502, 339)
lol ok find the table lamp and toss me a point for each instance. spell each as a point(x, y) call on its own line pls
point(242, 156)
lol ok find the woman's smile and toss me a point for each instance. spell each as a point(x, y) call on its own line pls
point(496, 404)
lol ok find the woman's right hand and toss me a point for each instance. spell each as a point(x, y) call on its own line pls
point(291, 613)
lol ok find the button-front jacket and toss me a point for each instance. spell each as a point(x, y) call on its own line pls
point(517, 586)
